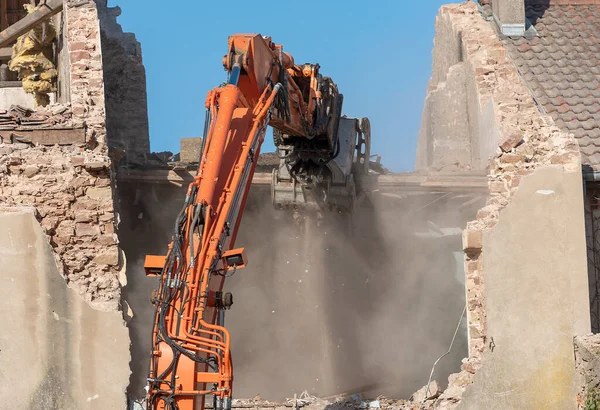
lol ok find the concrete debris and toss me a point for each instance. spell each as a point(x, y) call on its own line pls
point(426, 392)
point(33, 59)
point(190, 149)
point(587, 363)
point(20, 118)
point(307, 402)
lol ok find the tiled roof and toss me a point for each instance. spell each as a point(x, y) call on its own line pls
point(562, 67)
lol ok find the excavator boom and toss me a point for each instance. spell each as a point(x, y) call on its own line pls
point(191, 357)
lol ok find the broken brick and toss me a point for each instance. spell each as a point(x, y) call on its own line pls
point(511, 141)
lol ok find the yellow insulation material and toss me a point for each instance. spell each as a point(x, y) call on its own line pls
point(32, 59)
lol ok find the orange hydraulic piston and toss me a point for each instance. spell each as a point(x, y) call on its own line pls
point(211, 168)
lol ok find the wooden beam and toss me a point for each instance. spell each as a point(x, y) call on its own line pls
point(166, 176)
point(6, 52)
point(10, 84)
point(45, 136)
point(3, 14)
point(49, 9)
point(392, 183)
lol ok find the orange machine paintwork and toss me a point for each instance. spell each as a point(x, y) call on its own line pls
point(191, 355)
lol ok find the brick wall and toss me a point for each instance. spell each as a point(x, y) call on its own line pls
point(71, 186)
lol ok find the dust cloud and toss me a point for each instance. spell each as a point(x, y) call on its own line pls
point(331, 313)
point(317, 309)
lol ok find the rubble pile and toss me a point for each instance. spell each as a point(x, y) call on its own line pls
point(20, 118)
point(352, 402)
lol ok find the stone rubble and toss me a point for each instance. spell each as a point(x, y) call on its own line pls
point(587, 364)
point(18, 118)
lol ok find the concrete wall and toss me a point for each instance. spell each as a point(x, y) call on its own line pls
point(534, 302)
point(57, 353)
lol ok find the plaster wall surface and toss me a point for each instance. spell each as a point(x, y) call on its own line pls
point(450, 141)
point(57, 353)
point(17, 96)
point(536, 297)
point(459, 130)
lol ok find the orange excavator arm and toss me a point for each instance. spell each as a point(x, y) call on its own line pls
point(191, 357)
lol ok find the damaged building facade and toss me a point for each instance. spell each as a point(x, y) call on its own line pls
point(58, 151)
point(520, 76)
point(499, 217)
point(83, 201)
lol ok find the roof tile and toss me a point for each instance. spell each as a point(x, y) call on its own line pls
point(562, 67)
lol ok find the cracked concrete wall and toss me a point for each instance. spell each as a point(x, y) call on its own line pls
point(56, 352)
point(526, 248)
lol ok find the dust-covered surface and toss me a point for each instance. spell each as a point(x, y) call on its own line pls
point(315, 309)
point(341, 402)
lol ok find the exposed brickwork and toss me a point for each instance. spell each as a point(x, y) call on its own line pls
point(71, 186)
point(87, 84)
point(70, 189)
point(125, 89)
point(528, 140)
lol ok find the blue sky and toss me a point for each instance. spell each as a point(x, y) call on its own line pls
point(378, 52)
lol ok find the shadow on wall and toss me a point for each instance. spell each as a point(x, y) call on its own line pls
point(147, 216)
point(317, 310)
